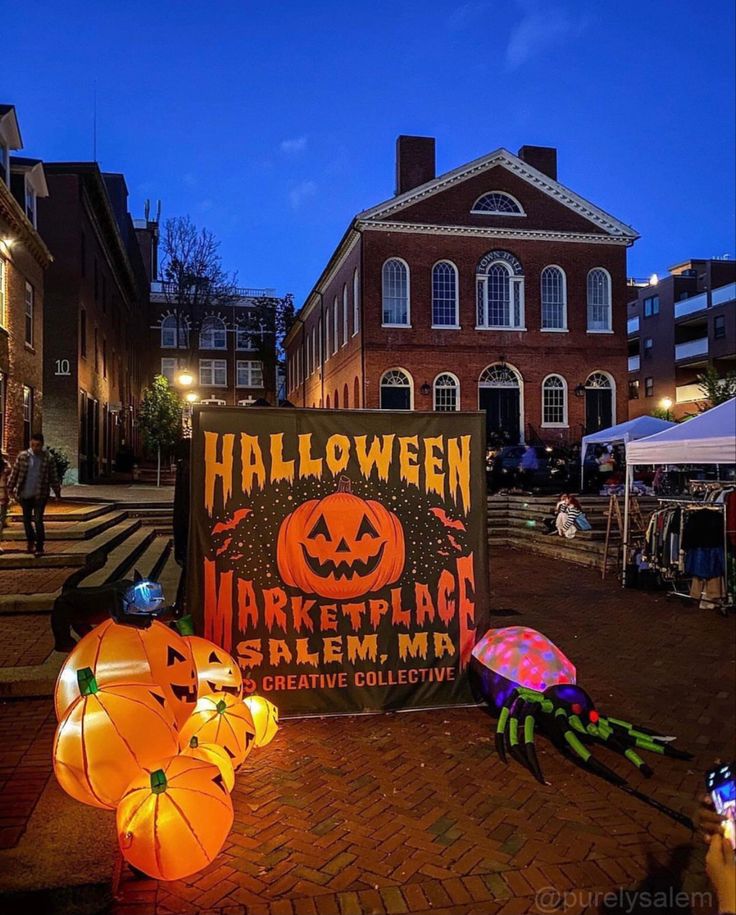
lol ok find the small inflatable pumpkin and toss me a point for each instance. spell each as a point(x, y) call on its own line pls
point(174, 819)
point(217, 671)
point(213, 754)
point(107, 735)
point(265, 718)
point(340, 546)
point(124, 654)
point(222, 719)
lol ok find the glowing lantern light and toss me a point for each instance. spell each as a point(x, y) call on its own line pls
point(214, 755)
point(216, 670)
point(119, 654)
point(265, 718)
point(225, 720)
point(108, 735)
point(174, 819)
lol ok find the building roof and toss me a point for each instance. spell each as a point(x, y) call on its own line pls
point(9, 127)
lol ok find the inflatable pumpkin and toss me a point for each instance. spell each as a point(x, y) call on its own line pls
point(217, 672)
point(215, 755)
point(174, 819)
point(265, 718)
point(340, 546)
point(123, 654)
point(222, 719)
point(108, 735)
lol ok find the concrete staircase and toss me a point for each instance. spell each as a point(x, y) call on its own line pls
point(515, 519)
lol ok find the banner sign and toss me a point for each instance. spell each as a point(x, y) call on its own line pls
point(340, 557)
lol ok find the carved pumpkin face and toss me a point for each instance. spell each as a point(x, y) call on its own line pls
point(222, 719)
point(217, 672)
point(341, 546)
point(124, 654)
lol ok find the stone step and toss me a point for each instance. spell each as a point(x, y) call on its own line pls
point(153, 560)
point(59, 530)
point(73, 553)
point(563, 551)
point(121, 560)
point(68, 511)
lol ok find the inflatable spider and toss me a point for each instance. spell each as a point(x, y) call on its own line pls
point(531, 684)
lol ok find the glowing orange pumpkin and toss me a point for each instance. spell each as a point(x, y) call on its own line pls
point(123, 654)
point(341, 546)
point(222, 719)
point(213, 754)
point(107, 735)
point(265, 718)
point(174, 819)
point(217, 671)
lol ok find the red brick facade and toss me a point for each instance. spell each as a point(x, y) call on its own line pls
point(432, 223)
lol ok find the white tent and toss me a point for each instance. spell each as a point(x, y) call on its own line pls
point(706, 439)
point(623, 433)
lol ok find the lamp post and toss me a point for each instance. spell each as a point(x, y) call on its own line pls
point(185, 379)
point(665, 405)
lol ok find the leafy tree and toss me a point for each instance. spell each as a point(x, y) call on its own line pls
point(61, 459)
point(662, 413)
point(160, 418)
point(267, 322)
point(716, 389)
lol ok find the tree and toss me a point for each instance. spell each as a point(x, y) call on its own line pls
point(267, 322)
point(716, 389)
point(160, 418)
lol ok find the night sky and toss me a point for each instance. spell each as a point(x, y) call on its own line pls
point(274, 123)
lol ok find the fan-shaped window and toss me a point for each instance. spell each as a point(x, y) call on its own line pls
point(395, 293)
point(599, 300)
point(598, 380)
point(500, 292)
point(396, 390)
point(497, 203)
point(444, 295)
point(170, 330)
point(554, 401)
point(554, 299)
point(498, 376)
point(446, 393)
point(213, 334)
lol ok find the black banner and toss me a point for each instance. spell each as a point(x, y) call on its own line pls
point(340, 557)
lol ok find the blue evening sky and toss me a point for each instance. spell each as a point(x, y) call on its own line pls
point(274, 123)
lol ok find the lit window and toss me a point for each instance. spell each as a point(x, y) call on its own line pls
point(554, 305)
point(554, 401)
point(213, 334)
point(446, 393)
point(599, 300)
point(634, 389)
point(497, 203)
point(444, 295)
point(250, 374)
point(395, 293)
point(213, 372)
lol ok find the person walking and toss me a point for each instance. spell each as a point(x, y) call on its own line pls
point(529, 466)
point(31, 480)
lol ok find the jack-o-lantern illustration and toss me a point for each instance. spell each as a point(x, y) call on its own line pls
point(341, 546)
point(217, 671)
point(222, 719)
point(124, 654)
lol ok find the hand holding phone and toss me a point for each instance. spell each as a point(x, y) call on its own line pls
point(721, 784)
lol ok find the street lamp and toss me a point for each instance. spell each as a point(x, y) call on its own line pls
point(185, 378)
point(665, 405)
point(191, 397)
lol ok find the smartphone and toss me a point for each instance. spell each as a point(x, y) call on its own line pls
point(721, 783)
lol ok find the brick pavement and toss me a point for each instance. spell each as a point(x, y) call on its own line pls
point(25, 639)
point(415, 813)
point(32, 581)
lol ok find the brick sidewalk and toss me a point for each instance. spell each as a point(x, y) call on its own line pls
point(25, 639)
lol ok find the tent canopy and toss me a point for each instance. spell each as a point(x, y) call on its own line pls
point(706, 439)
point(641, 427)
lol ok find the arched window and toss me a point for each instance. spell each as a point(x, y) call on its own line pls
point(344, 314)
point(356, 393)
point(500, 292)
point(599, 300)
point(169, 327)
point(498, 203)
point(328, 401)
point(213, 334)
point(395, 293)
point(336, 334)
point(554, 299)
point(498, 376)
point(356, 302)
point(446, 393)
point(337, 400)
point(599, 402)
point(554, 401)
point(345, 396)
point(444, 295)
point(396, 390)
point(328, 327)
point(500, 395)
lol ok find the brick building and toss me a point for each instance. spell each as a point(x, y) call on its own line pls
point(490, 287)
point(23, 260)
point(677, 327)
point(95, 360)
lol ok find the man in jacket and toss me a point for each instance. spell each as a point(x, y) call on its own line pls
point(31, 481)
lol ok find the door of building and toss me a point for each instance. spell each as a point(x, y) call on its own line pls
point(598, 403)
point(501, 406)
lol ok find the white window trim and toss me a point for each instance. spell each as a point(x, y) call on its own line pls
point(457, 392)
point(565, 329)
point(456, 325)
point(29, 289)
point(565, 424)
point(174, 367)
point(520, 378)
point(398, 368)
point(240, 362)
point(612, 389)
point(609, 329)
point(448, 327)
point(356, 302)
point(600, 331)
point(222, 327)
point(475, 212)
point(514, 278)
point(406, 326)
point(213, 383)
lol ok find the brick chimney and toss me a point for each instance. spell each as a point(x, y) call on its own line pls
point(543, 158)
point(414, 162)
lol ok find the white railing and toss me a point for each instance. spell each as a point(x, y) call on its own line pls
point(632, 325)
point(691, 305)
point(244, 292)
point(687, 393)
point(723, 294)
point(692, 348)
point(634, 363)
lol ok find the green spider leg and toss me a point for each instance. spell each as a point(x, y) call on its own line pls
point(567, 736)
point(644, 738)
point(604, 734)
